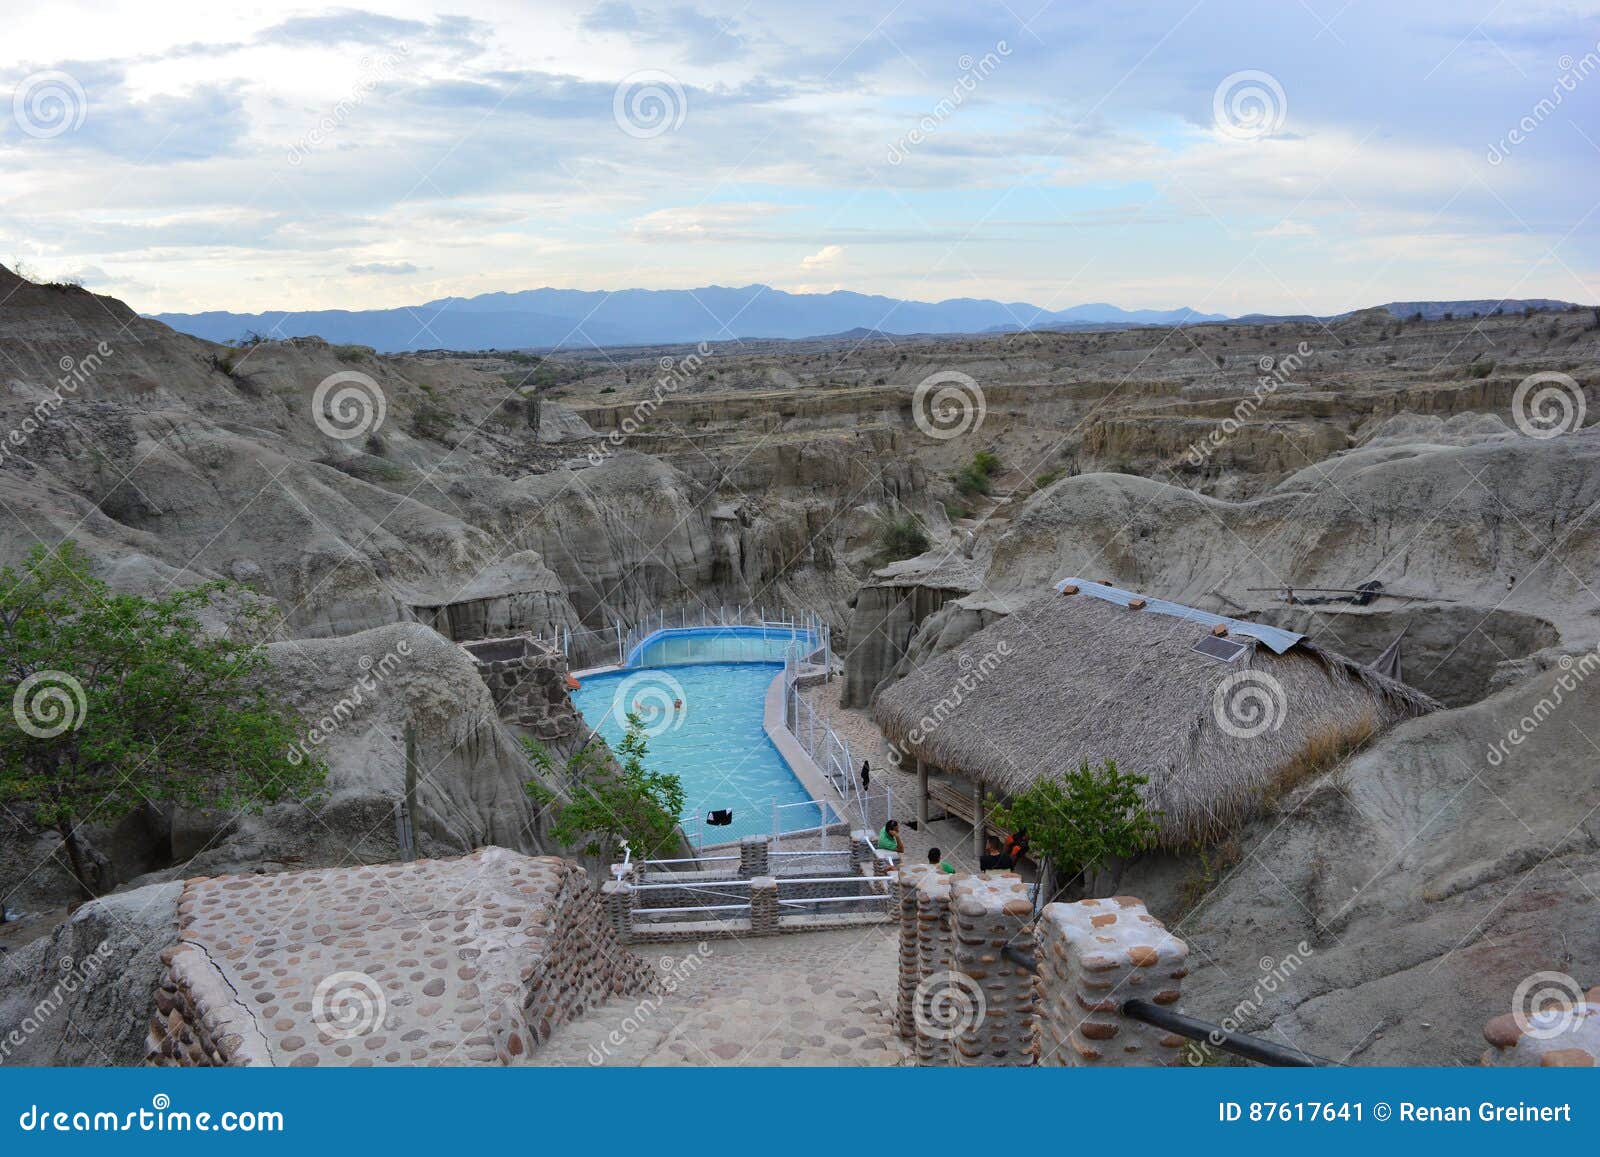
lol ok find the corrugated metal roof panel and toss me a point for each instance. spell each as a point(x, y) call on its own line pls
point(1275, 637)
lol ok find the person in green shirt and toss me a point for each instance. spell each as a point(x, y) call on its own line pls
point(889, 837)
point(938, 862)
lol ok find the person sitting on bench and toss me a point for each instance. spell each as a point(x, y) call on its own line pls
point(993, 859)
point(935, 860)
point(889, 838)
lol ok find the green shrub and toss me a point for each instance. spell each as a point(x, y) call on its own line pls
point(604, 805)
point(900, 538)
point(431, 421)
point(1080, 820)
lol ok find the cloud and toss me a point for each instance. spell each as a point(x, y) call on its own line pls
point(103, 114)
point(699, 38)
point(355, 26)
point(388, 269)
point(1288, 228)
point(733, 222)
point(823, 257)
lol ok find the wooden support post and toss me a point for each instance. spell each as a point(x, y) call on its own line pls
point(922, 794)
point(977, 818)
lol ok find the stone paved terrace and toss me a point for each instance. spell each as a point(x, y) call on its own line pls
point(814, 998)
point(465, 961)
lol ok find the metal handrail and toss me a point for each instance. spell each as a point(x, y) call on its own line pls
point(653, 912)
point(1252, 1048)
point(693, 887)
point(782, 880)
point(834, 900)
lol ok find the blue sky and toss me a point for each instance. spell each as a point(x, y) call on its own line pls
point(1300, 155)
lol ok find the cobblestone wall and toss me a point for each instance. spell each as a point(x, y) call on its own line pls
point(473, 960)
point(988, 913)
point(1563, 1033)
point(1092, 956)
point(934, 991)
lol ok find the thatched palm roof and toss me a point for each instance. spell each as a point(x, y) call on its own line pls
point(1084, 676)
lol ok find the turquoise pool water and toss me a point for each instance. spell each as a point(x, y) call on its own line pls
point(716, 645)
point(715, 742)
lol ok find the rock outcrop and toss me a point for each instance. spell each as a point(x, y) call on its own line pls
point(1415, 888)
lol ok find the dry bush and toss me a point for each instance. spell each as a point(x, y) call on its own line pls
point(1324, 750)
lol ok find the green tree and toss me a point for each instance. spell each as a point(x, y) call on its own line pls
point(605, 805)
point(1081, 820)
point(117, 700)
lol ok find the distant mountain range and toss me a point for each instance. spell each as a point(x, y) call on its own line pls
point(573, 318)
point(556, 318)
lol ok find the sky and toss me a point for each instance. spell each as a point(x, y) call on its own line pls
point(1286, 157)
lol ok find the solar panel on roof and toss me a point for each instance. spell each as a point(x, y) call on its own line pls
point(1223, 650)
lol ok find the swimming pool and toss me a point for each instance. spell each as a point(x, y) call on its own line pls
point(679, 645)
point(715, 742)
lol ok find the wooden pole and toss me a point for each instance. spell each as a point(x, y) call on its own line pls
point(922, 794)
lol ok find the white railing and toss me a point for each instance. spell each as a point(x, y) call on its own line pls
point(683, 617)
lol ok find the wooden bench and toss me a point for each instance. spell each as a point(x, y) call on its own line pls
point(957, 801)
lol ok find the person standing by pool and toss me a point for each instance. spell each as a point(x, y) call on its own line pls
point(889, 838)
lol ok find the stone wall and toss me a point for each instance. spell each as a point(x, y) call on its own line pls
point(1092, 956)
point(963, 1001)
point(473, 960)
point(1563, 1032)
point(529, 683)
point(989, 913)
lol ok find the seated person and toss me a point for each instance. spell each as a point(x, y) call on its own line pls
point(1018, 847)
point(993, 859)
point(889, 837)
point(936, 861)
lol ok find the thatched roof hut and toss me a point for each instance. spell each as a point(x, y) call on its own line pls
point(1217, 713)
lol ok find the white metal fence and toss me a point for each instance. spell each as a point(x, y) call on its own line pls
point(587, 647)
